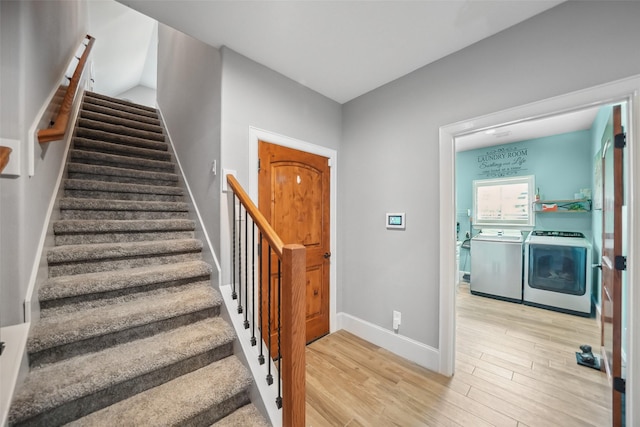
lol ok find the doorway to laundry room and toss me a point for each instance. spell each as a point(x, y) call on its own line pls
point(529, 226)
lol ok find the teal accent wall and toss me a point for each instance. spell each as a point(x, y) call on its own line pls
point(562, 165)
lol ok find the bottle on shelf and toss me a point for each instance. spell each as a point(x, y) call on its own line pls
point(538, 194)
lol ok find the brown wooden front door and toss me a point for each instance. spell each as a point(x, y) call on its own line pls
point(293, 195)
point(612, 190)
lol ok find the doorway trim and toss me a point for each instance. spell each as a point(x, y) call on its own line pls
point(621, 90)
point(256, 134)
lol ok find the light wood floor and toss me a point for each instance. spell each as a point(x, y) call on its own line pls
point(515, 366)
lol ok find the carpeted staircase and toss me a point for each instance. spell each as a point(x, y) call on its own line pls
point(130, 332)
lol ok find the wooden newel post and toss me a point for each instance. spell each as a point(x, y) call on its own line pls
point(294, 265)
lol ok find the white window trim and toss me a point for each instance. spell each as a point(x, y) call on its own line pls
point(500, 224)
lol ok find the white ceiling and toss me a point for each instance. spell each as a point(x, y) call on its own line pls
point(529, 129)
point(342, 49)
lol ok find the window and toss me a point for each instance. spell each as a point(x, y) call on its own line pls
point(503, 202)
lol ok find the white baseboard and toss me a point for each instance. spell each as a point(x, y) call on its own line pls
point(417, 352)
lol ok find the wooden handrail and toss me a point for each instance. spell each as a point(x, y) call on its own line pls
point(60, 123)
point(4, 157)
point(267, 231)
point(293, 305)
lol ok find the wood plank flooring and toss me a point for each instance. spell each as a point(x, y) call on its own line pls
point(515, 366)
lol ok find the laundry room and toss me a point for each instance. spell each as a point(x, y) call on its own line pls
point(529, 213)
point(541, 218)
point(525, 179)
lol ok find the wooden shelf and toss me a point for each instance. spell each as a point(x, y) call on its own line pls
point(563, 206)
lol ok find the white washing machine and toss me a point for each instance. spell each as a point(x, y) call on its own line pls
point(558, 271)
point(496, 265)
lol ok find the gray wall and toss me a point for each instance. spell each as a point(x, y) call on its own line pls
point(38, 38)
point(389, 152)
point(189, 74)
point(253, 95)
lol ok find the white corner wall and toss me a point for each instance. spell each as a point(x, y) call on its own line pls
point(258, 97)
point(390, 152)
point(37, 41)
point(140, 95)
point(128, 55)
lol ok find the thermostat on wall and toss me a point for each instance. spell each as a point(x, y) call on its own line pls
point(396, 221)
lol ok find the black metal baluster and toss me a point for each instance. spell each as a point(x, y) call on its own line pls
point(260, 262)
point(246, 269)
point(279, 398)
point(234, 295)
point(240, 261)
point(269, 376)
point(253, 284)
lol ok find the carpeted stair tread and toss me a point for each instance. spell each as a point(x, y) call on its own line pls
point(181, 288)
point(248, 415)
point(122, 195)
point(119, 102)
point(64, 325)
point(110, 147)
point(96, 209)
point(126, 140)
point(91, 226)
point(93, 258)
point(76, 232)
point(126, 236)
point(107, 110)
point(188, 400)
point(121, 205)
point(115, 174)
point(147, 316)
point(75, 387)
point(122, 214)
point(119, 129)
point(113, 105)
point(101, 251)
point(115, 160)
point(96, 283)
point(114, 187)
point(122, 121)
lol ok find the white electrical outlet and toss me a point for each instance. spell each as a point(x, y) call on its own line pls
point(397, 319)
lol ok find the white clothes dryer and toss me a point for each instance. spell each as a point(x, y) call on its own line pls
point(558, 272)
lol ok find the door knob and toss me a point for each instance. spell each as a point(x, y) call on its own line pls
point(327, 255)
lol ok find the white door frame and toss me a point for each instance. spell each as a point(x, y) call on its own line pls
point(622, 90)
point(255, 135)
